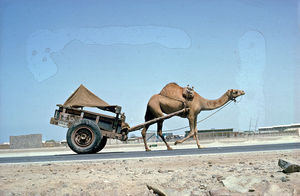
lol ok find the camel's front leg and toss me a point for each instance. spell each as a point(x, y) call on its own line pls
point(197, 139)
point(187, 137)
point(196, 133)
point(192, 129)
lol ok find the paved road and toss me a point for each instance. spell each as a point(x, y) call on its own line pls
point(141, 154)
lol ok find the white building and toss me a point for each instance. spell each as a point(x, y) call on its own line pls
point(280, 128)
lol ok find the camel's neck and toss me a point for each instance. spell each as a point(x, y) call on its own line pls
point(214, 104)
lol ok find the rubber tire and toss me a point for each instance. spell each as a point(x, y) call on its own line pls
point(101, 145)
point(95, 143)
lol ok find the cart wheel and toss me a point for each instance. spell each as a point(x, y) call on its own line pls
point(84, 137)
point(101, 145)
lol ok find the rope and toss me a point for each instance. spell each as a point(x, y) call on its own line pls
point(169, 130)
point(214, 112)
point(241, 97)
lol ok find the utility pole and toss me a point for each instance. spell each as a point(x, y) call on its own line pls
point(256, 124)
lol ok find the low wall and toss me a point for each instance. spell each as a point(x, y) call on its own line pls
point(25, 141)
point(4, 146)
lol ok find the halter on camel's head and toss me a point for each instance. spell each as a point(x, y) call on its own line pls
point(234, 93)
point(188, 93)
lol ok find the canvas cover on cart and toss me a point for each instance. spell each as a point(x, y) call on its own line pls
point(82, 97)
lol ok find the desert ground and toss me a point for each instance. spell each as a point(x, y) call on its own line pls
point(254, 173)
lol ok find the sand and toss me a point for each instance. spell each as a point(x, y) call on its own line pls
point(255, 173)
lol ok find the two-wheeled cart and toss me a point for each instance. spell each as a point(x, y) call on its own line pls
point(88, 131)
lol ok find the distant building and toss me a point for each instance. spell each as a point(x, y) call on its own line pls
point(25, 141)
point(152, 137)
point(213, 133)
point(280, 129)
point(168, 135)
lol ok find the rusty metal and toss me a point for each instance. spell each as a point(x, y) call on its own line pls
point(83, 136)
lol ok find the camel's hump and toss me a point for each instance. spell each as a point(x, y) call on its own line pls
point(172, 85)
point(172, 90)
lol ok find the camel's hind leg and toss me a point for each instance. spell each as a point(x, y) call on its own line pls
point(148, 116)
point(159, 132)
point(144, 137)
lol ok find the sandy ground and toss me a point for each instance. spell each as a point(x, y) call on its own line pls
point(255, 173)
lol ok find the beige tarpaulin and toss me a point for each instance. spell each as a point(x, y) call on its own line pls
point(82, 97)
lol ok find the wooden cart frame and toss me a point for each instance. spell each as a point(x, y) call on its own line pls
point(88, 131)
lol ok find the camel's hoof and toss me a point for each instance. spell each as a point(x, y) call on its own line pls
point(177, 142)
point(148, 150)
point(200, 147)
point(170, 148)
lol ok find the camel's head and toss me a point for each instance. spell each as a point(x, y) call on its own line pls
point(234, 93)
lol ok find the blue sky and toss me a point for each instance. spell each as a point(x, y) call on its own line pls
point(126, 51)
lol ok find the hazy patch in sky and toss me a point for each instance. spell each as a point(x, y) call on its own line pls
point(250, 78)
point(297, 78)
point(298, 13)
point(43, 43)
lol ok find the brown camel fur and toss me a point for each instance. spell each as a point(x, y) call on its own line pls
point(171, 99)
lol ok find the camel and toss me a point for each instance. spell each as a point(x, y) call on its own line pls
point(172, 98)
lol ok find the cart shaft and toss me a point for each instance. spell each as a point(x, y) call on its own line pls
point(150, 122)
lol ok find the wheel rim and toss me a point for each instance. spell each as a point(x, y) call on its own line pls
point(83, 136)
